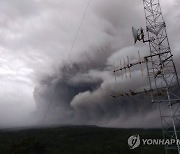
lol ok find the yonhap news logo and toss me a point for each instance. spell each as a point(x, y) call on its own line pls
point(134, 141)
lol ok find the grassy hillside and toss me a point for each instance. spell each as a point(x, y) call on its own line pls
point(75, 140)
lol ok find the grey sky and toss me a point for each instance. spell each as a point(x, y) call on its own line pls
point(35, 40)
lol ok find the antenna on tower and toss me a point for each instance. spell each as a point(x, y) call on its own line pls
point(121, 69)
point(125, 67)
point(129, 66)
point(114, 72)
point(140, 62)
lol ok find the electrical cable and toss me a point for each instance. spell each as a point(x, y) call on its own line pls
point(71, 49)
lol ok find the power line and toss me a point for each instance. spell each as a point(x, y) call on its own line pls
point(70, 51)
point(78, 31)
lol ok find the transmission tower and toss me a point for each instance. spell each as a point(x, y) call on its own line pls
point(161, 72)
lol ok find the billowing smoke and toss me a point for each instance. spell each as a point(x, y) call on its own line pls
point(36, 63)
point(79, 91)
point(80, 94)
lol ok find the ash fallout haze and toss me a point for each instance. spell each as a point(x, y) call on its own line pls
point(36, 60)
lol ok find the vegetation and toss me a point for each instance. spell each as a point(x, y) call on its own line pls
point(76, 140)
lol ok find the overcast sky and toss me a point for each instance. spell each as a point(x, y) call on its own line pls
point(35, 41)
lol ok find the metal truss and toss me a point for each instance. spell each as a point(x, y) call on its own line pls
point(162, 73)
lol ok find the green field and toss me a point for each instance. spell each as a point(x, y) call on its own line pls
point(76, 140)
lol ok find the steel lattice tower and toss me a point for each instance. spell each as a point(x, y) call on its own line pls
point(162, 73)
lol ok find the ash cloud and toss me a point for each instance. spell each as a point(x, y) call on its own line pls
point(83, 97)
point(85, 85)
point(34, 45)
